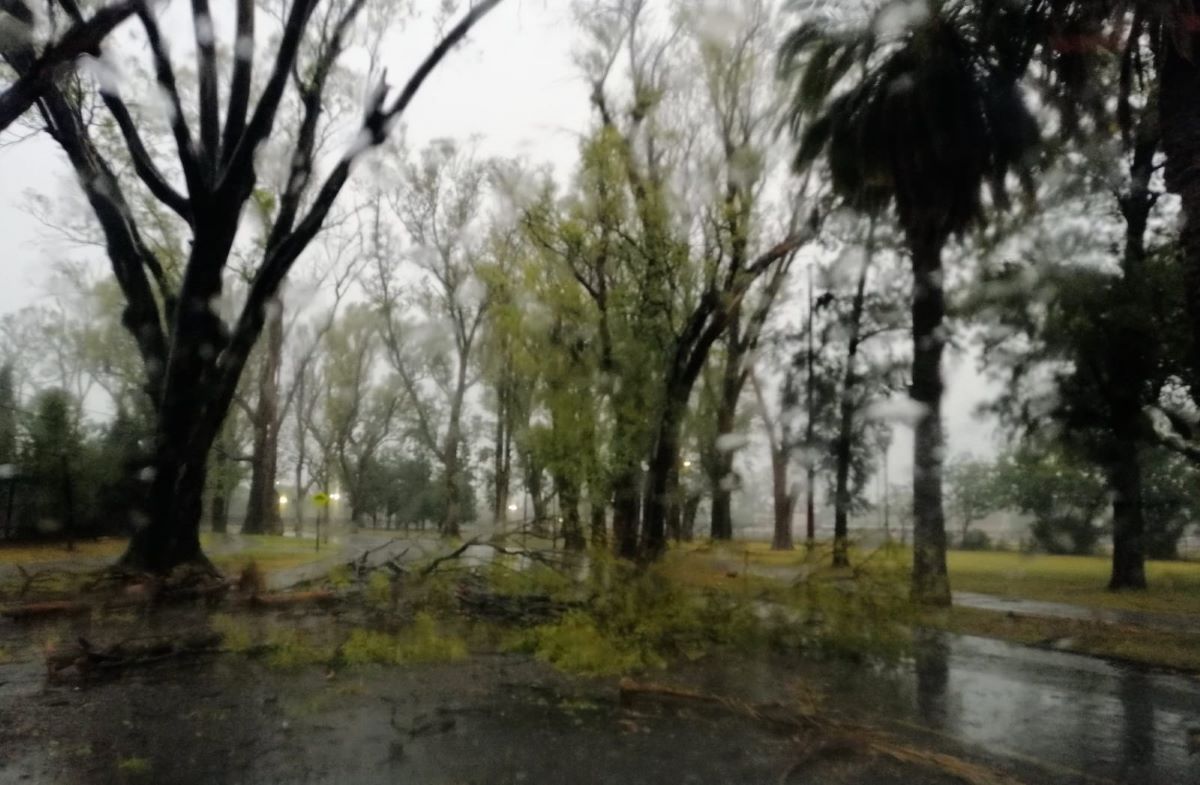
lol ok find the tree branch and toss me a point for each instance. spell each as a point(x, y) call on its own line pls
point(166, 81)
point(82, 38)
point(241, 80)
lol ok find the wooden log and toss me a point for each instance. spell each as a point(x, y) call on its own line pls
point(40, 610)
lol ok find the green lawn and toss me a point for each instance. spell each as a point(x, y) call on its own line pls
point(1178, 650)
point(1079, 580)
point(268, 551)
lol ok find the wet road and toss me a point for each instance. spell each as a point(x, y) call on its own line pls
point(1070, 718)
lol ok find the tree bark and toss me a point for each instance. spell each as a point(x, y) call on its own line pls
point(598, 525)
point(262, 506)
point(626, 512)
point(783, 499)
point(930, 581)
point(691, 506)
point(720, 466)
point(1129, 554)
point(219, 506)
point(732, 382)
point(1179, 120)
point(568, 503)
point(662, 466)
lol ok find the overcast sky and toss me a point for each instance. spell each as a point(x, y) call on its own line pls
point(515, 89)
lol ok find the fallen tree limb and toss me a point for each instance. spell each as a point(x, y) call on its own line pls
point(40, 610)
point(512, 608)
point(83, 659)
point(430, 568)
point(285, 599)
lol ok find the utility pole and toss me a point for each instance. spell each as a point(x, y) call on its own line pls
point(810, 521)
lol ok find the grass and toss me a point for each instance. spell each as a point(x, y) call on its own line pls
point(35, 553)
point(1078, 580)
point(1177, 650)
point(270, 552)
point(1174, 587)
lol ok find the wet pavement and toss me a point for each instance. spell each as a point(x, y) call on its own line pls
point(1076, 719)
point(1060, 610)
point(494, 720)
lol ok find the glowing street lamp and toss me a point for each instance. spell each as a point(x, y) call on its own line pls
point(512, 508)
point(282, 500)
point(335, 496)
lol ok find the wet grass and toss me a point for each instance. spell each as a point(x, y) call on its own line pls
point(1179, 651)
point(269, 552)
point(35, 553)
point(1174, 587)
point(1078, 580)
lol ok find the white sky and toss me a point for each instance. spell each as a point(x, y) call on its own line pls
point(515, 89)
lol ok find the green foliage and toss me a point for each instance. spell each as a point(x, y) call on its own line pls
point(926, 115)
point(378, 593)
point(1065, 496)
point(291, 649)
point(236, 634)
point(340, 576)
point(134, 767)
point(576, 644)
point(973, 491)
point(423, 641)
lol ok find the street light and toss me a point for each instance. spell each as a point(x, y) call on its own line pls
point(512, 507)
point(282, 500)
point(335, 496)
point(687, 464)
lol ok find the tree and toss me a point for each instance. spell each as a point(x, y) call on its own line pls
point(683, 293)
point(193, 359)
point(1065, 496)
point(972, 492)
point(922, 118)
point(83, 37)
point(53, 444)
point(438, 205)
point(779, 439)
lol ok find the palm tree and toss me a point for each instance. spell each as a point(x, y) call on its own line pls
point(918, 114)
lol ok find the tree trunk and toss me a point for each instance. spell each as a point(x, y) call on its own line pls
point(691, 506)
point(172, 537)
point(219, 510)
point(262, 505)
point(450, 523)
point(1179, 120)
point(568, 502)
point(626, 509)
point(662, 466)
point(783, 499)
point(731, 390)
point(930, 581)
point(1129, 558)
point(502, 460)
point(598, 528)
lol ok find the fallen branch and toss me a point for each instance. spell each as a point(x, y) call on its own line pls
point(83, 659)
point(430, 568)
point(40, 610)
point(512, 608)
point(285, 599)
